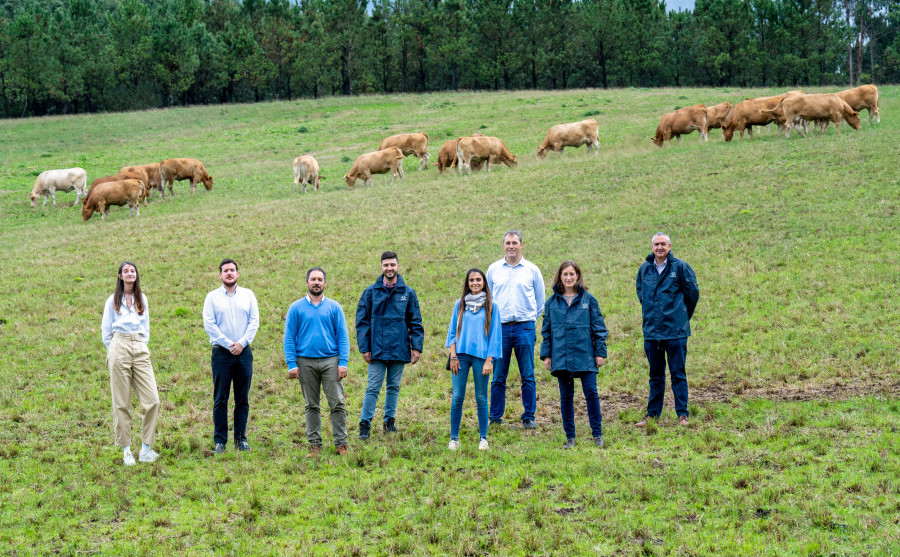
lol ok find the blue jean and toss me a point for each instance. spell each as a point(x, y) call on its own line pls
point(658, 352)
point(228, 369)
point(377, 372)
point(459, 394)
point(566, 403)
point(519, 337)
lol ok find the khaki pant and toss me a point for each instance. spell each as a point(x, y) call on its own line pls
point(129, 368)
point(316, 375)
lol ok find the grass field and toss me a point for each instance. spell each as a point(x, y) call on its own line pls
point(793, 446)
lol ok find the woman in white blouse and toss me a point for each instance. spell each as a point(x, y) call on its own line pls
point(126, 331)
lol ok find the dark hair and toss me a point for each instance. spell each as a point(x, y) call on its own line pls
point(120, 289)
point(557, 278)
point(389, 255)
point(320, 269)
point(226, 261)
point(488, 308)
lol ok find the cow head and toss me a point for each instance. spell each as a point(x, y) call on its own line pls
point(207, 181)
point(853, 119)
point(87, 211)
point(34, 199)
point(657, 140)
point(350, 181)
point(728, 132)
point(542, 152)
point(512, 161)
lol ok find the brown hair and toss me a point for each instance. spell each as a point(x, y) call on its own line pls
point(557, 278)
point(120, 289)
point(488, 308)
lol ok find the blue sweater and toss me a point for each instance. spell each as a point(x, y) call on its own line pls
point(315, 332)
point(472, 340)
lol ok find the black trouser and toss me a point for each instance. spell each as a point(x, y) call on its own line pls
point(228, 369)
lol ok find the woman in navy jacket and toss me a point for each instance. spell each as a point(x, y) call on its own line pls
point(574, 345)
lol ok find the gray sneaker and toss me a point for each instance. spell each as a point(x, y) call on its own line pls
point(598, 441)
point(128, 459)
point(570, 444)
point(220, 448)
point(529, 424)
point(148, 455)
point(242, 446)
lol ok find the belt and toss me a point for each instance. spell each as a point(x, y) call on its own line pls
point(515, 322)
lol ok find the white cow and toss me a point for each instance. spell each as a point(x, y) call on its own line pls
point(306, 170)
point(64, 180)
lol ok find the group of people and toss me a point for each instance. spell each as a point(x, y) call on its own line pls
point(494, 317)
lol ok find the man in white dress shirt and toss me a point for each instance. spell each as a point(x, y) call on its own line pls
point(231, 319)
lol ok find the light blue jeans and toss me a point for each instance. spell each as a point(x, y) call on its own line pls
point(377, 372)
point(460, 380)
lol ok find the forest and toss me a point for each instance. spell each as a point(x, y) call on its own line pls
point(75, 56)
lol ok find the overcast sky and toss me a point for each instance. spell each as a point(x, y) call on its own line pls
point(675, 5)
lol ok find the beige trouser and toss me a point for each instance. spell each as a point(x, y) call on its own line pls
point(129, 367)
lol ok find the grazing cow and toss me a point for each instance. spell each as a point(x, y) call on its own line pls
point(472, 150)
point(409, 144)
point(747, 114)
point(575, 134)
point(864, 96)
point(824, 106)
point(306, 170)
point(65, 180)
point(120, 192)
point(376, 162)
point(127, 173)
point(447, 155)
point(183, 169)
point(681, 122)
point(717, 115)
point(153, 180)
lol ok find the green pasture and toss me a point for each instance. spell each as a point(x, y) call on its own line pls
point(793, 446)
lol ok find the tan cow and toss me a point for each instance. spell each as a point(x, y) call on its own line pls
point(306, 170)
point(376, 162)
point(409, 144)
point(681, 122)
point(823, 106)
point(135, 173)
point(121, 192)
point(447, 155)
point(575, 134)
point(183, 169)
point(153, 179)
point(470, 151)
point(864, 96)
point(65, 180)
point(717, 115)
point(746, 114)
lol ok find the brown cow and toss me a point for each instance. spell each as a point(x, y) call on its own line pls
point(447, 155)
point(864, 96)
point(136, 173)
point(681, 122)
point(746, 114)
point(471, 150)
point(575, 134)
point(153, 180)
point(120, 192)
point(376, 162)
point(409, 144)
point(717, 115)
point(823, 106)
point(183, 169)
point(306, 170)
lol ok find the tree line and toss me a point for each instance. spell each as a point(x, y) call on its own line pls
point(70, 56)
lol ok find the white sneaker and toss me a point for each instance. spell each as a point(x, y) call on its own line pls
point(483, 445)
point(454, 444)
point(128, 459)
point(148, 455)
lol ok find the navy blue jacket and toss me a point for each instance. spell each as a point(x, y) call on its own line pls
point(573, 335)
point(388, 322)
point(667, 300)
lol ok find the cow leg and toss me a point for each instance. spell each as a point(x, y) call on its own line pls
point(193, 186)
point(678, 138)
point(53, 194)
point(596, 145)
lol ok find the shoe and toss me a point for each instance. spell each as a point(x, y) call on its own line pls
point(682, 420)
point(529, 424)
point(242, 446)
point(220, 448)
point(314, 451)
point(598, 442)
point(389, 426)
point(570, 444)
point(643, 422)
point(495, 422)
point(148, 455)
point(364, 428)
point(454, 444)
point(483, 444)
point(343, 449)
point(128, 459)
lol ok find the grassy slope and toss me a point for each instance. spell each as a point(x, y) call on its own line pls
point(792, 241)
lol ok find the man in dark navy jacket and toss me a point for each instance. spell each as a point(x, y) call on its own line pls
point(389, 334)
point(667, 289)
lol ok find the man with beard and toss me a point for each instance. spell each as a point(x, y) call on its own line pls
point(316, 350)
point(389, 334)
point(231, 319)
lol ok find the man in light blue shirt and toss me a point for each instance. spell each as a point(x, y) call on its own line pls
point(231, 319)
point(517, 288)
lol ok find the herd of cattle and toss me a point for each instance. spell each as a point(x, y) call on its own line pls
point(796, 109)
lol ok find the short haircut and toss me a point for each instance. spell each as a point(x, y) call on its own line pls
point(320, 269)
point(513, 233)
point(226, 261)
point(389, 255)
point(668, 240)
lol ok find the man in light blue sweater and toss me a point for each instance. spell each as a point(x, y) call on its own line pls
point(316, 350)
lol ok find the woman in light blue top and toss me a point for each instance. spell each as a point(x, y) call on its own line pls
point(126, 332)
point(474, 339)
